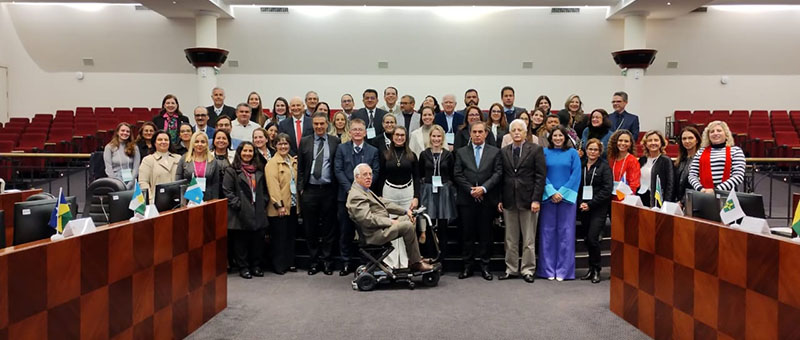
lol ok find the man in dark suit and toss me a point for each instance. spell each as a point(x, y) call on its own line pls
point(201, 124)
point(371, 115)
point(449, 119)
point(507, 95)
point(477, 174)
point(621, 119)
point(524, 173)
point(348, 155)
point(219, 108)
point(316, 183)
point(298, 126)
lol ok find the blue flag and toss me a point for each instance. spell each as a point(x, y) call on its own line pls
point(194, 192)
point(61, 214)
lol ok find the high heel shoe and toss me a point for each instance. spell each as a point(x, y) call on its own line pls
point(588, 274)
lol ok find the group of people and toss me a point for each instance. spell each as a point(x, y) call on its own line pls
point(541, 170)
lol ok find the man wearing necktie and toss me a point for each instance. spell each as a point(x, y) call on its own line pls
point(316, 185)
point(298, 126)
point(507, 95)
point(370, 114)
point(524, 173)
point(477, 174)
point(348, 155)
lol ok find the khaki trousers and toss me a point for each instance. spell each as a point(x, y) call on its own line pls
point(520, 222)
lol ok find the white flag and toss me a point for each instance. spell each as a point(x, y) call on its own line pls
point(731, 210)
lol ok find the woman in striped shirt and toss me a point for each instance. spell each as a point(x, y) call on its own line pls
point(718, 164)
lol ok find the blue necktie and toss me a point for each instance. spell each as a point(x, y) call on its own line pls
point(478, 156)
point(359, 158)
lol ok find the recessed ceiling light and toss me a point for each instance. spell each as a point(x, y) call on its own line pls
point(669, 4)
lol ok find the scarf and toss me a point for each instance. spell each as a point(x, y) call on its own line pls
point(249, 171)
point(706, 179)
point(171, 125)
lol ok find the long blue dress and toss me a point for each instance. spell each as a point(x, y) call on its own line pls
point(557, 220)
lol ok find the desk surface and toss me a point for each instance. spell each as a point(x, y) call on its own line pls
point(157, 278)
point(682, 277)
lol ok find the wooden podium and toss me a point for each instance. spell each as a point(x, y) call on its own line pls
point(159, 278)
point(684, 278)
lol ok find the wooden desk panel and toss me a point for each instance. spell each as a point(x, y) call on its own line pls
point(702, 280)
point(7, 201)
point(160, 278)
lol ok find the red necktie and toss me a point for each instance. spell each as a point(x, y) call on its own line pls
point(298, 131)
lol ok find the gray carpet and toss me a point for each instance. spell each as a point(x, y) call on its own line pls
point(296, 306)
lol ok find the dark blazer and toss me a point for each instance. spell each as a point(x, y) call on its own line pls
point(158, 120)
point(466, 175)
point(663, 168)
point(379, 143)
point(498, 137)
point(523, 181)
point(513, 115)
point(226, 111)
point(627, 121)
point(441, 120)
point(377, 124)
point(243, 213)
point(602, 185)
point(344, 164)
point(186, 169)
point(287, 126)
point(682, 179)
point(306, 158)
point(463, 138)
point(426, 166)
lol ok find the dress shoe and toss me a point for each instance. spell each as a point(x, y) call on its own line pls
point(293, 269)
point(588, 274)
point(256, 271)
point(245, 273)
point(528, 278)
point(327, 269)
point(486, 274)
point(551, 278)
point(506, 276)
point(465, 273)
point(313, 269)
point(420, 267)
point(596, 276)
point(279, 272)
point(559, 279)
point(347, 269)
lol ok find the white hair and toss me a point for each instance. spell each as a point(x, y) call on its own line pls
point(451, 96)
point(357, 169)
point(518, 122)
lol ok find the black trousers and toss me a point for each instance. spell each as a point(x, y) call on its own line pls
point(318, 206)
point(282, 231)
point(347, 248)
point(428, 249)
point(248, 247)
point(476, 222)
point(594, 220)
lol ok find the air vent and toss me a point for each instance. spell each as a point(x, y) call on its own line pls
point(383, 64)
point(562, 10)
point(275, 10)
point(88, 61)
point(233, 63)
point(700, 10)
point(141, 8)
point(527, 65)
point(672, 64)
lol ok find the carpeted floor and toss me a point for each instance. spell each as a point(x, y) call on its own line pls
point(296, 306)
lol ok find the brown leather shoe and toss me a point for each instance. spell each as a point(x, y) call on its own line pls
point(421, 267)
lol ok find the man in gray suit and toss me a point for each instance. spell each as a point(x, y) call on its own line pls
point(507, 95)
point(406, 116)
point(371, 214)
point(524, 173)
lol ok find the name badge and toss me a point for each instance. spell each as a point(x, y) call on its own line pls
point(436, 181)
point(127, 175)
point(450, 138)
point(370, 133)
point(201, 181)
point(588, 192)
point(293, 187)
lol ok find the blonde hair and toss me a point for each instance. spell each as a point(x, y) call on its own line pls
point(332, 127)
point(662, 149)
point(189, 156)
point(728, 136)
point(434, 127)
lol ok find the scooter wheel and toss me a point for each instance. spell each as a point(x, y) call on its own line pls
point(411, 285)
point(431, 279)
point(366, 282)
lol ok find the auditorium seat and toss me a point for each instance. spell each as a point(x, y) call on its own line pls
point(787, 144)
point(42, 117)
point(84, 110)
point(59, 140)
point(142, 113)
point(154, 112)
point(121, 111)
point(700, 118)
point(100, 111)
point(640, 136)
point(64, 113)
point(85, 136)
point(10, 136)
point(759, 139)
point(6, 145)
point(759, 116)
point(673, 150)
point(18, 120)
point(740, 114)
point(722, 115)
point(36, 130)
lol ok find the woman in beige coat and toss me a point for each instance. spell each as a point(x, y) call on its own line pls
point(283, 206)
point(159, 167)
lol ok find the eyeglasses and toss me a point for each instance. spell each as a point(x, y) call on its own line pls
point(201, 115)
point(347, 100)
point(497, 111)
point(404, 103)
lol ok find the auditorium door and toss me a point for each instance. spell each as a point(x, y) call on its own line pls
point(4, 93)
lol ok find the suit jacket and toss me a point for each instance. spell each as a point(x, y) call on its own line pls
point(210, 134)
point(627, 121)
point(243, 212)
point(158, 120)
point(305, 159)
point(514, 114)
point(467, 175)
point(344, 164)
point(378, 120)
point(157, 169)
point(413, 125)
point(462, 138)
point(524, 180)
point(287, 126)
point(185, 170)
point(441, 120)
point(279, 178)
point(371, 213)
point(664, 171)
point(226, 111)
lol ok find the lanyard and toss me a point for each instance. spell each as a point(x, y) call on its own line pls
point(620, 122)
point(437, 161)
point(594, 172)
point(623, 169)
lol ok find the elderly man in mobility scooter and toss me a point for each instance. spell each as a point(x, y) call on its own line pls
point(371, 217)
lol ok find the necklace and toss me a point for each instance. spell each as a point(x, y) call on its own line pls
point(399, 157)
